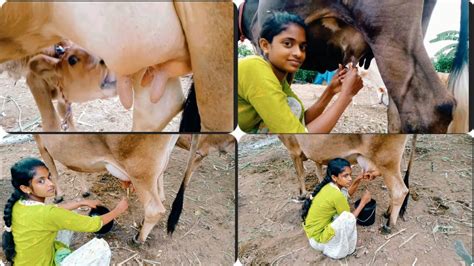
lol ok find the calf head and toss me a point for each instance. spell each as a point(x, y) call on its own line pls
point(78, 75)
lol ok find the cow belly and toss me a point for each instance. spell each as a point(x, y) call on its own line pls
point(152, 37)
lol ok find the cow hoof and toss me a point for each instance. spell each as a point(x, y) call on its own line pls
point(86, 194)
point(386, 215)
point(58, 199)
point(134, 242)
point(302, 197)
point(385, 230)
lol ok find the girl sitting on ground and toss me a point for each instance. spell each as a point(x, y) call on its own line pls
point(327, 220)
point(265, 99)
point(31, 226)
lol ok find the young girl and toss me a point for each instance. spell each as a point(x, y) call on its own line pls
point(31, 226)
point(328, 222)
point(265, 99)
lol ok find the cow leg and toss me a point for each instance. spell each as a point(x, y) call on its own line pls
point(393, 118)
point(297, 156)
point(298, 162)
point(319, 171)
point(214, 25)
point(39, 88)
point(398, 191)
point(147, 192)
point(48, 160)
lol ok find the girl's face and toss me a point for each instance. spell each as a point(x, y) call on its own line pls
point(41, 185)
point(287, 51)
point(344, 178)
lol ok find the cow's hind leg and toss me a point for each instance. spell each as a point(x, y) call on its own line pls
point(398, 191)
point(147, 192)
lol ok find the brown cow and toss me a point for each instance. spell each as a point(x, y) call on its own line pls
point(139, 159)
point(167, 36)
point(391, 31)
point(374, 153)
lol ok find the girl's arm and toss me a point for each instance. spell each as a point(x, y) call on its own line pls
point(121, 207)
point(363, 201)
point(325, 122)
point(355, 184)
point(332, 89)
point(77, 204)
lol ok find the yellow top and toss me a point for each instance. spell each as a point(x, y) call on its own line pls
point(263, 98)
point(327, 203)
point(35, 226)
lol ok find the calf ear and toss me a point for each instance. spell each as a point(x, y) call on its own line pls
point(43, 66)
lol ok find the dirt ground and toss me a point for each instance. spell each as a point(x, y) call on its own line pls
point(103, 115)
point(439, 210)
point(363, 115)
point(206, 230)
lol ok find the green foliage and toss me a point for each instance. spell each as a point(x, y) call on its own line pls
point(443, 62)
point(305, 75)
point(444, 58)
point(244, 51)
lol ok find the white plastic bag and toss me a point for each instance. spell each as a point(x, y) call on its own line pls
point(94, 253)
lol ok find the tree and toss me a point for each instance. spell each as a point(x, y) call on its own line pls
point(444, 58)
point(244, 51)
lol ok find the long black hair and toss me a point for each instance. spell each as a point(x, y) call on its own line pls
point(277, 22)
point(22, 173)
point(335, 167)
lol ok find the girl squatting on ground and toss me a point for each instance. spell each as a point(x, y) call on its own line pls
point(31, 226)
point(327, 220)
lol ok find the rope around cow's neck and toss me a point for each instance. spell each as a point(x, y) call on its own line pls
point(67, 116)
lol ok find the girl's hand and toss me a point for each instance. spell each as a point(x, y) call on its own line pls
point(122, 206)
point(366, 197)
point(335, 85)
point(371, 175)
point(352, 82)
point(91, 203)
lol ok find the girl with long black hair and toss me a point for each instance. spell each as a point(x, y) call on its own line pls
point(327, 220)
point(31, 226)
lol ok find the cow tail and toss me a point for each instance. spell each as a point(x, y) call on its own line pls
point(176, 209)
point(407, 175)
point(177, 206)
point(190, 120)
point(458, 83)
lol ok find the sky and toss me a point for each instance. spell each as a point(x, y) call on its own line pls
point(446, 16)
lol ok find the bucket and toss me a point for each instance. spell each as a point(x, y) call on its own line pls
point(367, 214)
point(101, 210)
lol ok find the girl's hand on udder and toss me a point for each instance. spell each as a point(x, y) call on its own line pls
point(336, 82)
point(352, 82)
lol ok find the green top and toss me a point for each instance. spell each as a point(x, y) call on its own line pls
point(35, 226)
point(263, 98)
point(327, 203)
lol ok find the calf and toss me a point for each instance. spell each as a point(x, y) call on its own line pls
point(374, 153)
point(73, 76)
point(139, 159)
